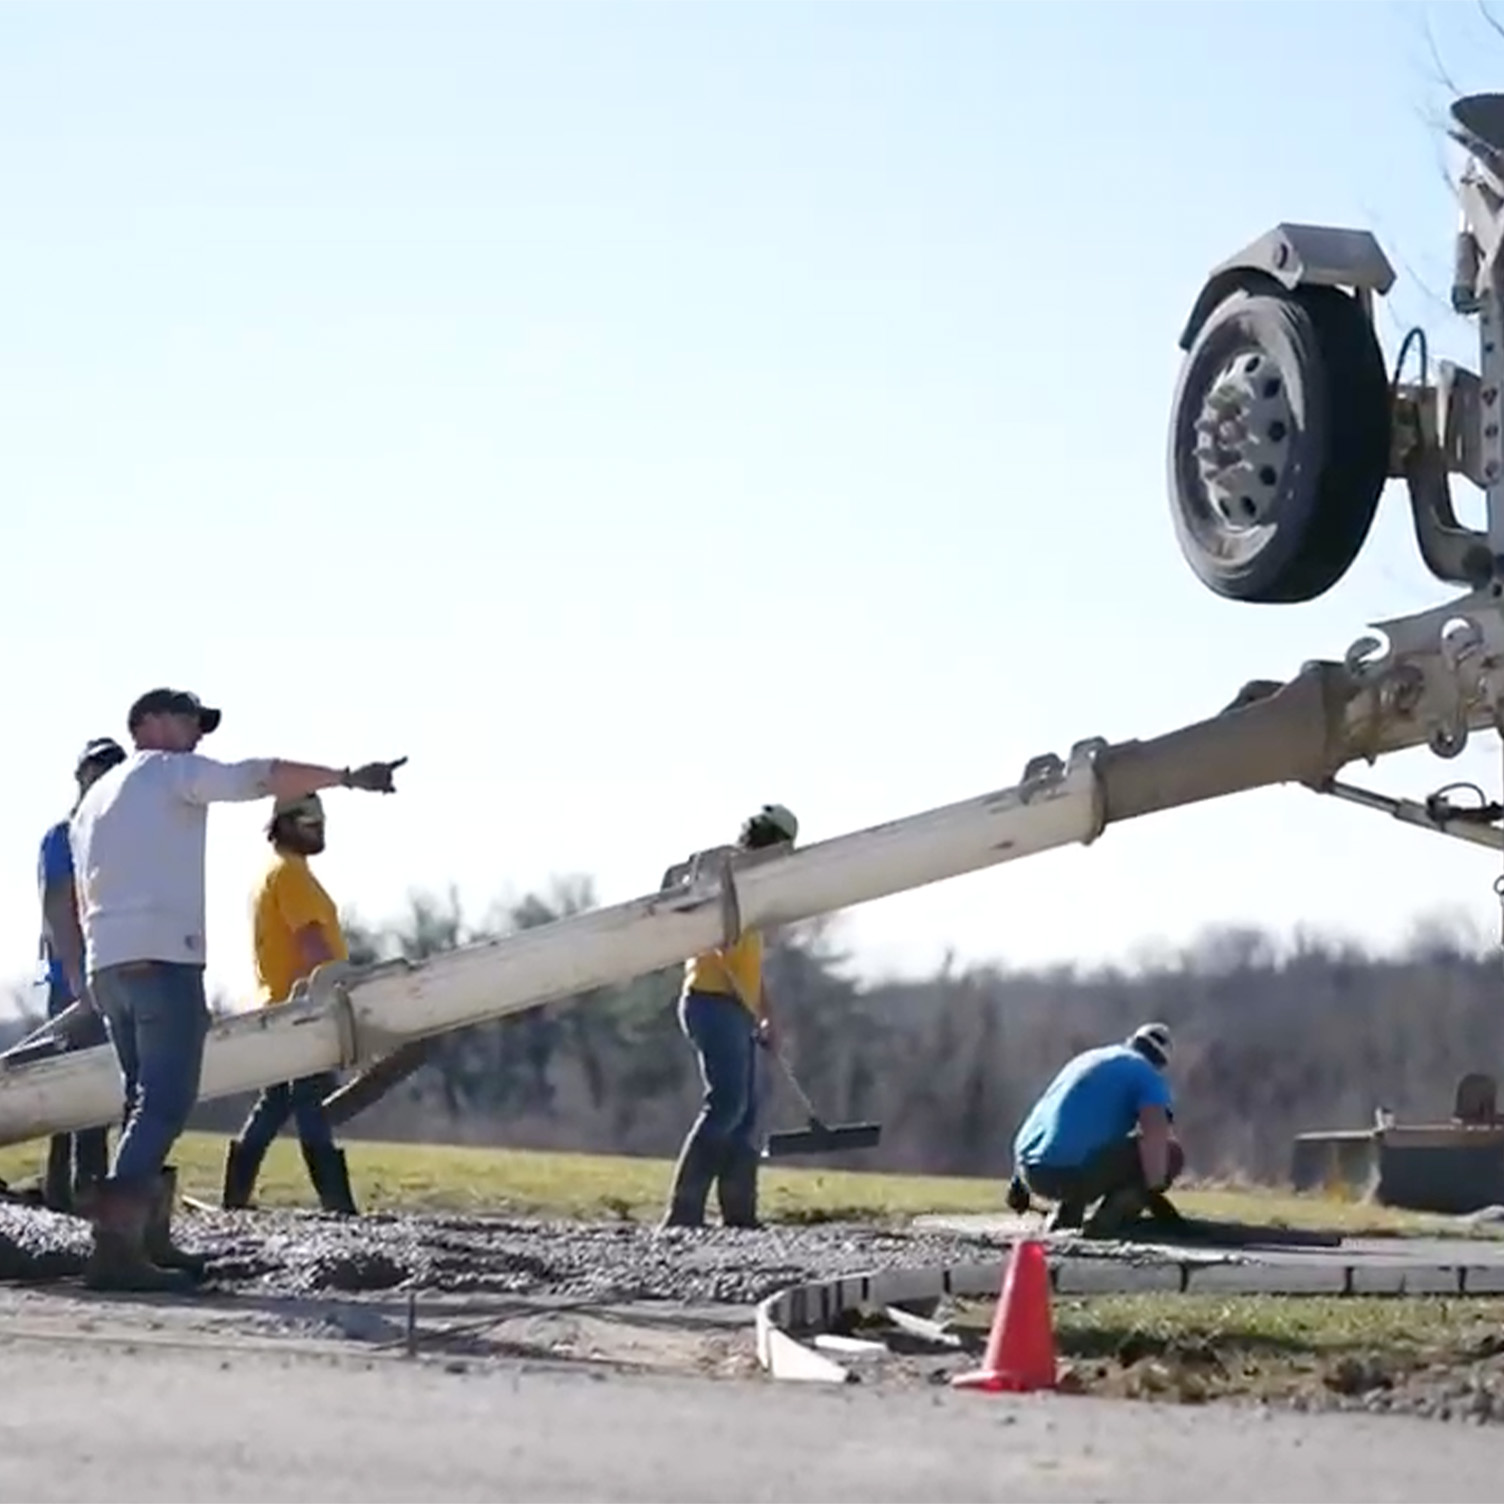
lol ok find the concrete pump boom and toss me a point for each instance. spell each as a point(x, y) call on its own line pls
point(1303, 731)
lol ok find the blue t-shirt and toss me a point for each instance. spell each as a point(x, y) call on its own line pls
point(1093, 1102)
point(54, 865)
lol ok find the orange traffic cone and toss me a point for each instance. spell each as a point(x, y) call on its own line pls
point(1020, 1352)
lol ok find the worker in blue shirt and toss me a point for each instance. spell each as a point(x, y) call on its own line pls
point(1101, 1132)
point(74, 1160)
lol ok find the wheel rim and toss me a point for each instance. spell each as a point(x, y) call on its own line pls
point(1243, 434)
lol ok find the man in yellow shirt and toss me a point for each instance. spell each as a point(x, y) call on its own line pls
point(296, 929)
point(725, 1014)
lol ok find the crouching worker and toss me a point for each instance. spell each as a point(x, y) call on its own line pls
point(725, 1014)
point(296, 929)
point(1101, 1133)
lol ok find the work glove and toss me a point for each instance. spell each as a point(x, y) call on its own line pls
point(373, 777)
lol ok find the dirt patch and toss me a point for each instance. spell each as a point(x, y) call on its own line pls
point(1428, 1356)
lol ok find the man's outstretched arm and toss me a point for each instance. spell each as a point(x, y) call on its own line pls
point(204, 780)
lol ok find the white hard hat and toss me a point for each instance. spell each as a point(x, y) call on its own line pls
point(782, 818)
point(1153, 1041)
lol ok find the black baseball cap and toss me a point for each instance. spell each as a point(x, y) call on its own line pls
point(100, 752)
point(173, 702)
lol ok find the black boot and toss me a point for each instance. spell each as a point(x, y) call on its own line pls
point(1116, 1213)
point(91, 1157)
point(241, 1170)
point(57, 1179)
point(160, 1248)
point(699, 1161)
point(331, 1179)
point(91, 1165)
point(736, 1187)
point(1065, 1216)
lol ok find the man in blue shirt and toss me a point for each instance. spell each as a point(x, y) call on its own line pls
point(74, 1160)
point(1101, 1132)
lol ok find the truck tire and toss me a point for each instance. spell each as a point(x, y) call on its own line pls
point(1279, 443)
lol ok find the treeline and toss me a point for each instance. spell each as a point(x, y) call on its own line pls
point(1271, 1041)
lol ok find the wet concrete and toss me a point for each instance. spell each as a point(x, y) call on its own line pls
point(275, 1253)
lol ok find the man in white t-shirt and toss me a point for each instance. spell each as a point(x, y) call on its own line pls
point(138, 843)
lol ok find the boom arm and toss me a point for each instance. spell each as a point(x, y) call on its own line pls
point(1302, 731)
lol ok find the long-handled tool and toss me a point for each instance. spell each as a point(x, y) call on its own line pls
point(48, 1038)
point(817, 1137)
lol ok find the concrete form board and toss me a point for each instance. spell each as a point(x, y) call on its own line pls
point(1377, 1266)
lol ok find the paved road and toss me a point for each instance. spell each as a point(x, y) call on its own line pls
point(87, 1420)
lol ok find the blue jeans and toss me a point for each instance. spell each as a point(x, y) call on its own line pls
point(158, 1019)
point(302, 1100)
point(724, 1035)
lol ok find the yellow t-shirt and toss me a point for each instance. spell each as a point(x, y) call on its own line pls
point(713, 971)
point(289, 899)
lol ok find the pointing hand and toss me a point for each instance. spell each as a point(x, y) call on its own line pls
point(374, 777)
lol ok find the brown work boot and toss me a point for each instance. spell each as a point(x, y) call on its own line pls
point(160, 1248)
point(118, 1260)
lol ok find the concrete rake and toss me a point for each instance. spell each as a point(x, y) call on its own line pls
point(817, 1137)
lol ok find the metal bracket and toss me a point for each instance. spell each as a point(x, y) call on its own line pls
point(328, 989)
point(723, 863)
point(1457, 427)
point(1440, 677)
point(1478, 826)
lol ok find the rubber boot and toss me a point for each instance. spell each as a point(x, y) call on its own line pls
point(57, 1179)
point(1162, 1210)
point(118, 1260)
point(736, 1188)
point(331, 1179)
point(91, 1160)
point(698, 1162)
point(1116, 1212)
point(160, 1248)
point(241, 1170)
point(1065, 1216)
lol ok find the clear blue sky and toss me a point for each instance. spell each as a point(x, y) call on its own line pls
point(636, 413)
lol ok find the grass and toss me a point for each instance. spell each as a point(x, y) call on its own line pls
point(1199, 1347)
point(438, 1177)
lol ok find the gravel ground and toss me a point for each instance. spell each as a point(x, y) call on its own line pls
point(301, 1254)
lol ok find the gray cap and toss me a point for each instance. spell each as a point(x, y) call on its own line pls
point(173, 702)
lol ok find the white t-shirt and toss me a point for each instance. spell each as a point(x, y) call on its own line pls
point(138, 838)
